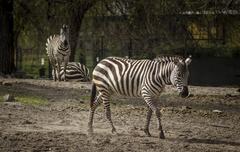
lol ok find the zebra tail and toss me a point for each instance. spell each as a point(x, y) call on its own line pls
point(93, 95)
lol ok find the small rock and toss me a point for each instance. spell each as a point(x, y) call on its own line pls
point(106, 141)
point(8, 98)
point(185, 108)
point(25, 122)
point(217, 111)
point(51, 100)
point(228, 95)
point(190, 95)
point(163, 110)
point(5, 83)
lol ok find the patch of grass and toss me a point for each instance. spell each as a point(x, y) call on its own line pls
point(23, 96)
point(85, 98)
point(31, 100)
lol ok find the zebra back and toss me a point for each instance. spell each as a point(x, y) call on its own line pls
point(75, 71)
point(168, 58)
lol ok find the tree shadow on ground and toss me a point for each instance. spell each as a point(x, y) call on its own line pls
point(212, 141)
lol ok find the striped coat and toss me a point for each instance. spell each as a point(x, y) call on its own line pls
point(75, 71)
point(137, 78)
point(58, 51)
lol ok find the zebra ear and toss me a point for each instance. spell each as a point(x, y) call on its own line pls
point(65, 27)
point(188, 60)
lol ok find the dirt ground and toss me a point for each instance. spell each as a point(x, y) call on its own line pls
point(209, 120)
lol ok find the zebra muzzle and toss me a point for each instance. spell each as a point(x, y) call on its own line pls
point(184, 93)
point(65, 43)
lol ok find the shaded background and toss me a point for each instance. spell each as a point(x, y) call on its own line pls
point(208, 30)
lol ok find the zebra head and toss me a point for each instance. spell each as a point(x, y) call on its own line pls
point(64, 35)
point(179, 76)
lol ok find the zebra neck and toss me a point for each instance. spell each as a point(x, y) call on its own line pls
point(63, 47)
point(63, 50)
point(165, 72)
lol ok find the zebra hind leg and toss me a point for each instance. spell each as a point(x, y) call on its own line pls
point(146, 128)
point(96, 103)
point(108, 112)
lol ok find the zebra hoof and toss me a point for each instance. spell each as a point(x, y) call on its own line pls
point(146, 131)
point(162, 136)
point(114, 131)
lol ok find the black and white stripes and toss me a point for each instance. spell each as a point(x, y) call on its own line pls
point(75, 71)
point(58, 51)
point(137, 78)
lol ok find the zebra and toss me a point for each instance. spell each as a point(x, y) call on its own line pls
point(58, 51)
point(74, 71)
point(137, 78)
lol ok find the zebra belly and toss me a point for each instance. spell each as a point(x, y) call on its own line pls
point(124, 86)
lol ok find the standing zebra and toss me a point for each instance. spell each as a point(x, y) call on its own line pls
point(58, 51)
point(74, 71)
point(137, 78)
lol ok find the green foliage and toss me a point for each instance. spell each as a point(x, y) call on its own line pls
point(22, 96)
point(154, 27)
point(85, 98)
point(31, 100)
point(215, 52)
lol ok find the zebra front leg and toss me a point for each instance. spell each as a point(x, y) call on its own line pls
point(64, 71)
point(96, 103)
point(108, 112)
point(54, 73)
point(153, 107)
point(58, 71)
point(146, 128)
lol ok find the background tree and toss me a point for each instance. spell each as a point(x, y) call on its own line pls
point(35, 21)
point(6, 37)
point(74, 12)
point(136, 28)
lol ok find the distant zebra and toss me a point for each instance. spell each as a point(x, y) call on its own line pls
point(75, 71)
point(137, 78)
point(58, 51)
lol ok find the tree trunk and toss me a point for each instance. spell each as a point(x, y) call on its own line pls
point(6, 37)
point(75, 24)
point(77, 15)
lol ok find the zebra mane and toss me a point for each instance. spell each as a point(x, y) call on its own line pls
point(168, 58)
point(51, 37)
